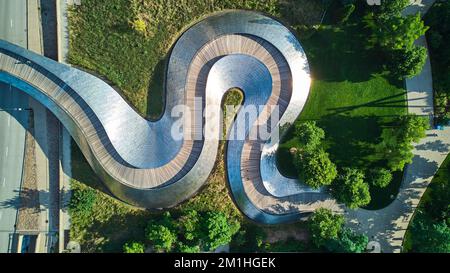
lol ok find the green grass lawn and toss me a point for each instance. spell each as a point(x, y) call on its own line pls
point(351, 98)
point(102, 39)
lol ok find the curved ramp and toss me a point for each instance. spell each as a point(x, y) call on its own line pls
point(147, 163)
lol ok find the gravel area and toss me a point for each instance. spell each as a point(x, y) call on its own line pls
point(28, 214)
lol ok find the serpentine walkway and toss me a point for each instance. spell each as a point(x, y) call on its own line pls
point(147, 163)
point(387, 226)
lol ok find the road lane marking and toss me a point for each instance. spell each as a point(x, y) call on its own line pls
point(1, 214)
point(4, 182)
point(11, 23)
point(9, 120)
point(6, 152)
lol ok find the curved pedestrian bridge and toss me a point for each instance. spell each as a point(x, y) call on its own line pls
point(158, 164)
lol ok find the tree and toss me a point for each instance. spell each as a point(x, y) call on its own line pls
point(395, 32)
point(351, 189)
point(133, 247)
point(324, 225)
point(396, 145)
point(348, 242)
point(183, 248)
point(413, 128)
point(390, 7)
point(429, 236)
point(309, 135)
point(315, 168)
point(161, 237)
point(162, 233)
point(380, 177)
point(407, 62)
point(189, 225)
point(218, 230)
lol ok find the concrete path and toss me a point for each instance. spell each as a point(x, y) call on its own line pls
point(388, 226)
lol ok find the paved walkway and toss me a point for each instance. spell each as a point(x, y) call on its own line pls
point(388, 226)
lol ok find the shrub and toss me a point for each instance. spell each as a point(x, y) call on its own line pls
point(139, 26)
point(82, 201)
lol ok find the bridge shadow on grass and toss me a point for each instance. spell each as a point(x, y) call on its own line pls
point(394, 101)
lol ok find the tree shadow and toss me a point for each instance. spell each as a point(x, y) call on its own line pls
point(156, 91)
point(32, 199)
point(351, 140)
point(436, 146)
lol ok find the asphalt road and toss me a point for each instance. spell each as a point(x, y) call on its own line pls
point(12, 133)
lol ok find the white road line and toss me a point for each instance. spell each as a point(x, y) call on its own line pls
point(9, 120)
point(4, 182)
point(1, 214)
point(6, 151)
point(11, 23)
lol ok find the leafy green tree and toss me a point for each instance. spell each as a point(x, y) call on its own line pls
point(351, 189)
point(324, 225)
point(430, 236)
point(161, 237)
point(390, 7)
point(395, 32)
point(189, 225)
point(396, 145)
point(407, 62)
point(315, 168)
point(348, 242)
point(184, 248)
point(133, 247)
point(380, 177)
point(162, 233)
point(309, 135)
point(413, 128)
point(218, 230)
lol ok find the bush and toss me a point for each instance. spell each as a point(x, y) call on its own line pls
point(380, 177)
point(324, 225)
point(82, 201)
point(139, 25)
point(351, 189)
point(315, 168)
point(133, 247)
